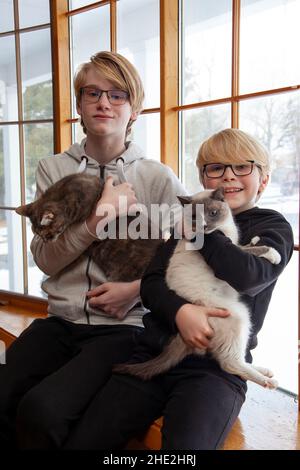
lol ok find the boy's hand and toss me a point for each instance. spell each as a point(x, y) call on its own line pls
point(193, 324)
point(111, 195)
point(108, 207)
point(115, 298)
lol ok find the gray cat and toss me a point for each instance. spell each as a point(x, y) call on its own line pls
point(71, 200)
point(190, 277)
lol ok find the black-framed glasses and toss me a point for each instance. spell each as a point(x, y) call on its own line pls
point(217, 170)
point(93, 95)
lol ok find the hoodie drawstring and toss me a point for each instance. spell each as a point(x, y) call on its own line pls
point(82, 165)
point(119, 166)
point(120, 170)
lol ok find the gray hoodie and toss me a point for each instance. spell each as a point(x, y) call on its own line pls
point(71, 271)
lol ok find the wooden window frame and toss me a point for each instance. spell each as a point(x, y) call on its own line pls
point(20, 123)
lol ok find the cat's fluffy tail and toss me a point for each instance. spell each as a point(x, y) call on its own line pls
point(172, 354)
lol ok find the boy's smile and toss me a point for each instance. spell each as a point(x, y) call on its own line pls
point(240, 191)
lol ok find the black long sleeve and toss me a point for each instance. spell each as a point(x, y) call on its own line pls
point(247, 273)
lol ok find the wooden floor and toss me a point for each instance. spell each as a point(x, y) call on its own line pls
point(269, 420)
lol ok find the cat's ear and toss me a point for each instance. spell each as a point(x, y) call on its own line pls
point(218, 194)
point(25, 210)
point(184, 199)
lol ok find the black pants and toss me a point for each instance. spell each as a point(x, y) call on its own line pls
point(52, 372)
point(199, 408)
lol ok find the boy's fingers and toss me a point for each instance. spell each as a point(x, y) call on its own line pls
point(96, 301)
point(202, 343)
point(219, 312)
point(98, 290)
point(109, 181)
point(209, 333)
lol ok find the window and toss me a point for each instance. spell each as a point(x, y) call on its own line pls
point(26, 131)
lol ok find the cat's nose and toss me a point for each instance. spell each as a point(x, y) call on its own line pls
point(204, 227)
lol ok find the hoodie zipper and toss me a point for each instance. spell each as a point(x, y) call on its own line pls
point(102, 171)
point(89, 288)
point(101, 176)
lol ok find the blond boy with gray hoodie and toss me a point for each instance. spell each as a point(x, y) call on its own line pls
point(59, 363)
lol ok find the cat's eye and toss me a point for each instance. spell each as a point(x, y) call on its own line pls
point(213, 213)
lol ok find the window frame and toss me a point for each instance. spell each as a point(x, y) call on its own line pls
point(20, 122)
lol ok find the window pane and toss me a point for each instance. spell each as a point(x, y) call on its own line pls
point(35, 275)
point(277, 341)
point(77, 132)
point(33, 12)
point(90, 33)
point(138, 41)
point(198, 125)
point(8, 80)
point(38, 143)
point(10, 194)
point(36, 74)
point(275, 122)
point(269, 51)
point(7, 16)
point(206, 55)
point(73, 4)
point(11, 256)
point(146, 133)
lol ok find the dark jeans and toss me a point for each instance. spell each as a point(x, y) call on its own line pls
point(52, 371)
point(199, 408)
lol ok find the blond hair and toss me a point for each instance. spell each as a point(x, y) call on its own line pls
point(120, 72)
point(232, 146)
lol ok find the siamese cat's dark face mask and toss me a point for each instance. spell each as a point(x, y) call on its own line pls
point(205, 211)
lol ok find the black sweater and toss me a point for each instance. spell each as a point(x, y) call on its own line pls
point(253, 277)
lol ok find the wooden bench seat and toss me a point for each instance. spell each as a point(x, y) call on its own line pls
point(268, 419)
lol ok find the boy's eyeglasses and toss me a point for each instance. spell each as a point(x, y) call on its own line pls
point(217, 170)
point(93, 95)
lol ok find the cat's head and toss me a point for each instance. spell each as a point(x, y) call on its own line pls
point(209, 210)
point(41, 218)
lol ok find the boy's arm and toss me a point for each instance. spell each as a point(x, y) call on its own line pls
point(246, 272)
point(175, 312)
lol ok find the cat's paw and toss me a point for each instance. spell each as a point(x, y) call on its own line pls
point(271, 255)
point(264, 371)
point(270, 383)
point(51, 226)
point(47, 218)
point(254, 241)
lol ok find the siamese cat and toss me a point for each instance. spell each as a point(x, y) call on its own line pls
point(191, 278)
